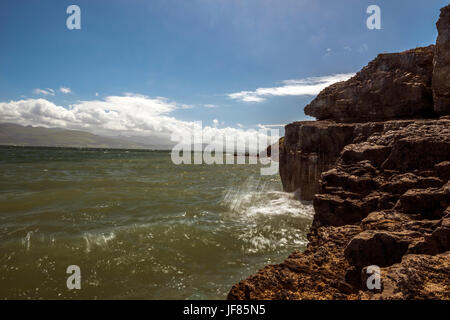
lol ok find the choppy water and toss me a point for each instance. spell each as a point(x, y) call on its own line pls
point(137, 225)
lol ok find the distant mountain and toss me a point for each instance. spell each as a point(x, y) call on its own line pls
point(14, 134)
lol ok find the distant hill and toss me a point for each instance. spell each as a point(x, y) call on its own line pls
point(14, 134)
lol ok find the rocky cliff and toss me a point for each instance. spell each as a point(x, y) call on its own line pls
point(392, 86)
point(377, 166)
point(441, 63)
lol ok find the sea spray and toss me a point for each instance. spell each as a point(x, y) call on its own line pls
point(138, 225)
point(274, 219)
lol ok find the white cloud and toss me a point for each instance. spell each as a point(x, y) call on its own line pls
point(247, 96)
point(309, 86)
point(65, 90)
point(272, 125)
point(211, 106)
point(130, 115)
point(363, 48)
point(46, 92)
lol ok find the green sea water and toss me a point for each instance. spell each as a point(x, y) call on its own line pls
point(138, 226)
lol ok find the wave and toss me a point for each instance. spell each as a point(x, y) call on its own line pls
point(272, 220)
point(100, 240)
point(257, 197)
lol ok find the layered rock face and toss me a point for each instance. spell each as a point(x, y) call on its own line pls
point(377, 166)
point(441, 62)
point(414, 84)
point(386, 202)
point(308, 149)
point(392, 86)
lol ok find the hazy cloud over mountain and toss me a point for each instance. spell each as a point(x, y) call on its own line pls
point(130, 115)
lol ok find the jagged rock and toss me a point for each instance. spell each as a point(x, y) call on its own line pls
point(360, 182)
point(379, 248)
point(392, 86)
point(398, 184)
point(443, 170)
point(441, 63)
point(332, 210)
point(429, 139)
point(436, 242)
point(415, 277)
point(382, 190)
point(312, 147)
point(313, 274)
point(376, 154)
point(366, 214)
point(430, 202)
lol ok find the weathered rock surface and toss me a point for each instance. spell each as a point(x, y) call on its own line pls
point(392, 86)
point(308, 149)
point(312, 147)
point(441, 63)
point(376, 206)
point(418, 276)
point(377, 166)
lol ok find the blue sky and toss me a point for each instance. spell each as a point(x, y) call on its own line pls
point(194, 54)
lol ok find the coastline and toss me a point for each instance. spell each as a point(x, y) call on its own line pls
point(376, 164)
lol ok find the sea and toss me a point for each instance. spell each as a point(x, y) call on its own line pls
point(136, 225)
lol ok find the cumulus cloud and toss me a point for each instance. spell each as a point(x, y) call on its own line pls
point(45, 92)
point(308, 86)
point(65, 90)
point(129, 115)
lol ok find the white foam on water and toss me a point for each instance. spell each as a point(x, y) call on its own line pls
point(26, 241)
point(256, 198)
point(99, 240)
point(271, 219)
